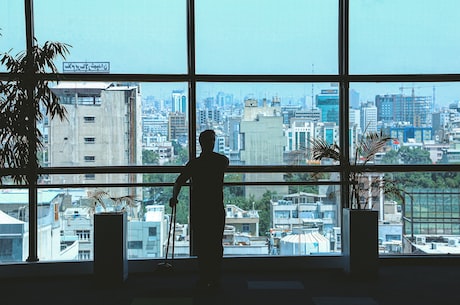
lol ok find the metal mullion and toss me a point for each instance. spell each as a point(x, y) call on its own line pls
point(324, 78)
point(32, 166)
point(191, 65)
point(343, 61)
point(397, 78)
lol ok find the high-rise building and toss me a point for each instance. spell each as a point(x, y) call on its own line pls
point(103, 128)
point(313, 115)
point(298, 141)
point(179, 101)
point(209, 117)
point(354, 98)
point(355, 118)
point(299, 135)
point(368, 117)
point(263, 144)
point(328, 103)
point(224, 99)
point(177, 127)
point(289, 112)
point(401, 108)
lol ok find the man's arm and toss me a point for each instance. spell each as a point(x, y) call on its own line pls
point(180, 181)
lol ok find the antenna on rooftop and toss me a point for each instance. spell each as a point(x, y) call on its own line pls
point(312, 85)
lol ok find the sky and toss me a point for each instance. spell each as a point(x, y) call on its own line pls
point(255, 37)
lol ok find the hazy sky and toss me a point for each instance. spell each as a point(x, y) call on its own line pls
point(251, 36)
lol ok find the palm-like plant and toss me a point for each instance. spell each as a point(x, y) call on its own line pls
point(24, 100)
point(361, 191)
point(107, 202)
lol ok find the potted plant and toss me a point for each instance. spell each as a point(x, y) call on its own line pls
point(110, 236)
point(24, 101)
point(110, 204)
point(359, 219)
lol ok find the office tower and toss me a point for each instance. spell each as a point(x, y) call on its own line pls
point(299, 135)
point(209, 117)
point(328, 103)
point(354, 98)
point(313, 115)
point(179, 101)
point(178, 127)
point(369, 117)
point(289, 112)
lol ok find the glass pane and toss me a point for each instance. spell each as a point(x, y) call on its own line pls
point(284, 221)
point(422, 119)
point(139, 36)
point(266, 37)
point(427, 221)
point(66, 222)
point(404, 37)
point(117, 124)
point(268, 123)
point(12, 28)
point(14, 225)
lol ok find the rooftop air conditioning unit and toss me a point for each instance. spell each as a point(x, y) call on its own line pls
point(452, 242)
point(420, 240)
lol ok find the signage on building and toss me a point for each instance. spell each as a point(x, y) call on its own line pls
point(86, 67)
point(329, 91)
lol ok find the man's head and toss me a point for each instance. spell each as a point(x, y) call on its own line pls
point(207, 139)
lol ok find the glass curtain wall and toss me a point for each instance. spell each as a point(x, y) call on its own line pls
point(143, 79)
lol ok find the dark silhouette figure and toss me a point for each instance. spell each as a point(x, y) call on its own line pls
point(206, 174)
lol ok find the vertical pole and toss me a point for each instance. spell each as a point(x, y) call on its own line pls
point(343, 107)
point(192, 104)
point(32, 172)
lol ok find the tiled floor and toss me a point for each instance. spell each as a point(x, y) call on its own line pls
point(395, 285)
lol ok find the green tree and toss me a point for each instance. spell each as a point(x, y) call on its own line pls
point(181, 154)
point(149, 157)
point(263, 207)
point(391, 157)
point(301, 177)
point(414, 155)
point(232, 193)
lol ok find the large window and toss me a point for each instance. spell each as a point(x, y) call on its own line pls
point(140, 36)
point(266, 37)
point(144, 78)
point(409, 37)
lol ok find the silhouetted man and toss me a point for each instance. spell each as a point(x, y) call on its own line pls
point(206, 174)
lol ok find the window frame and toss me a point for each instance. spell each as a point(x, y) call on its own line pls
point(343, 78)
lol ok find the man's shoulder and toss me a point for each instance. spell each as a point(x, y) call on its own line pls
point(212, 158)
point(223, 157)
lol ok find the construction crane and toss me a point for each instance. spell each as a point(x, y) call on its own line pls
point(416, 118)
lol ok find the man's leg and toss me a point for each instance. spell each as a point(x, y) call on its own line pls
point(210, 252)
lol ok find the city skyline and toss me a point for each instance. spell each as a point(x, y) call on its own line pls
point(445, 93)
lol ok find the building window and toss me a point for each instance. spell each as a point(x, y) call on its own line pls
point(90, 158)
point(135, 244)
point(84, 255)
point(282, 214)
point(89, 119)
point(152, 231)
point(90, 176)
point(90, 140)
point(83, 235)
point(6, 249)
